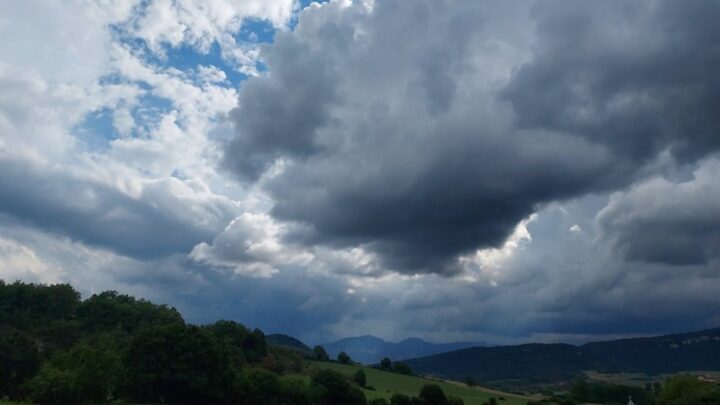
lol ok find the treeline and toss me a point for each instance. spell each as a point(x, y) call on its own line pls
point(677, 390)
point(57, 349)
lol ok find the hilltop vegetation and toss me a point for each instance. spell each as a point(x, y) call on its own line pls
point(57, 349)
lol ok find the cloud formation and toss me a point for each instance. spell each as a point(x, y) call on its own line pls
point(402, 131)
point(445, 169)
point(669, 222)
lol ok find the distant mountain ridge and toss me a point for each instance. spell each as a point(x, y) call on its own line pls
point(370, 349)
point(288, 342)
point(563, 362)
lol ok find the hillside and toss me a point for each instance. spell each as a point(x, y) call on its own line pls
point(539, 363)
point(370, 349)
point(288, 342)
point(386, 383)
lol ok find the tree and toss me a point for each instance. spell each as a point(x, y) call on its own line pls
point(400, 399)
point(378, 401)
point(386, 363)
point(343, 358)
point(111, 311)
point(320, 353)
point(360, 378)
point(295, 392)
point(259, 386)
point(470, 382)
point(432, 394)
point(335, 389)
point(178, 363)
point(90, 372)
point(402, 368)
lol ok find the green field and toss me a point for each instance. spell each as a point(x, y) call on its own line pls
point(385, 384)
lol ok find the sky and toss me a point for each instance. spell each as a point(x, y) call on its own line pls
point(497, 171)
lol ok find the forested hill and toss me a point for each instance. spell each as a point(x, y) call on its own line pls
point(554, 362)
point(288, 342)
point(58, 349)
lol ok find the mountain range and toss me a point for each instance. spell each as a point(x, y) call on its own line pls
point(370, 349)
point(563, 362)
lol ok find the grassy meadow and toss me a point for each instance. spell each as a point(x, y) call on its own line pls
point(385, 384)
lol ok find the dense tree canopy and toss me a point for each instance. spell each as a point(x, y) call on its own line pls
point(57, 349)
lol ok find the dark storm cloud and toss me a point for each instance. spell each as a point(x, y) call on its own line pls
point(638, 76)
point(661, 221)
point(154, 224)
point(276, 121)
point(406, 136)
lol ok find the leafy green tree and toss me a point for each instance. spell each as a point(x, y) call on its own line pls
point(46, 312)
point(386, 363)
point(360, 378)
point(282, 360)
point(178, 363)
point(432, 394)
point(343, 358)
point(320, 353)
point(334, 388)
point(378, 401)
point(90, 372)
point(259, 386)
point(23, 305)
point(110, 311)
point(402, 368)
point(54, 386)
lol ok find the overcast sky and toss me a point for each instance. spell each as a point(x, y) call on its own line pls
point(504, 171)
